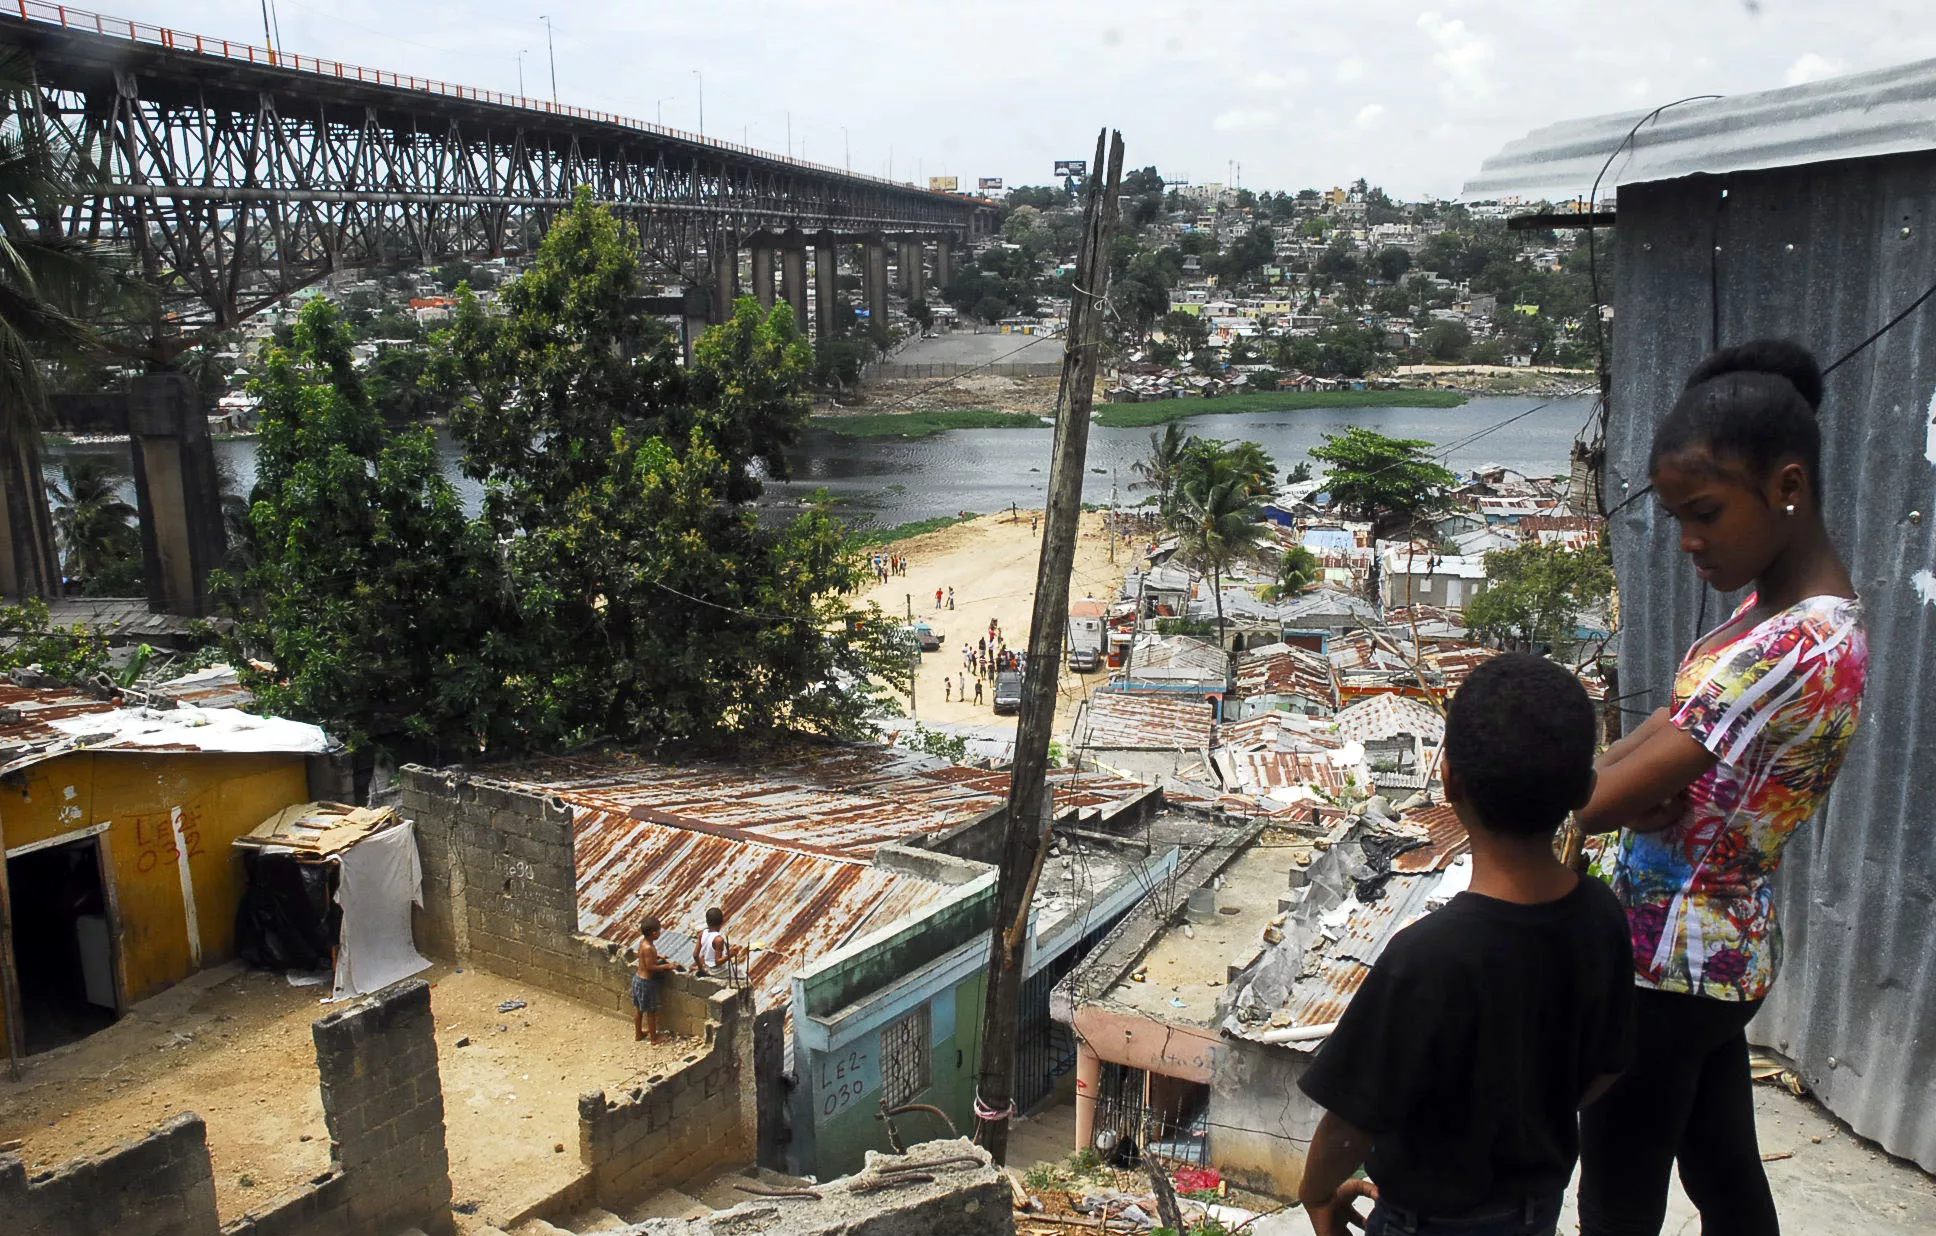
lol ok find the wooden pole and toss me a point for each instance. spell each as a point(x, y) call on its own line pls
point(1024, 840)
point(9, 973)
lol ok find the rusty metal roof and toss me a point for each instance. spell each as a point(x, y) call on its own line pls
point(42, 723)
point(784, 906)
point(1281, 731)
point(838, 801)
point(1260, 772)
point(1113, 720)
point(1388, 715)
point(1285, 669)
point(1447, 840)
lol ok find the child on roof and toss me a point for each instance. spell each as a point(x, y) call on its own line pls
point(1457, 1073)
point(712, 955)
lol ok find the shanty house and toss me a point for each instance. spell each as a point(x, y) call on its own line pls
point(116, 824)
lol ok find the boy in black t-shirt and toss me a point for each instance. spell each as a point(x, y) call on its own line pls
point(1457, 1073)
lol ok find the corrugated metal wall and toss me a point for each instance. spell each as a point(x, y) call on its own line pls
point(1824, 254)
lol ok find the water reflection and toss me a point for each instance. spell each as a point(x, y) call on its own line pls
point(895, 480)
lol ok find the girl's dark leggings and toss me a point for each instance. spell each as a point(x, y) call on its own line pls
point(1687, 1100)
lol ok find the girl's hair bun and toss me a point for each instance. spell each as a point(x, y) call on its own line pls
point(1783, 358)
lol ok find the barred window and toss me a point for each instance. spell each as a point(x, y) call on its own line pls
point(906, 1059)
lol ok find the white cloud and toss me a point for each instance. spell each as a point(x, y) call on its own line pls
point(1369, 115)
point(1813, 67)
point(1461, 56)
point(1277, 82)
point(1351, 69)
point(1245, 120)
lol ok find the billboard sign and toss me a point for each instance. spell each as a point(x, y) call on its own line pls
point(1072, 167)
point(991, 184)
point(943, 184)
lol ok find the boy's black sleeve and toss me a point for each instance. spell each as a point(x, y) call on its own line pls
point(1376, 1064)
point(1616, 1042)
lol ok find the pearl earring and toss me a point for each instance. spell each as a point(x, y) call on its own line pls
point(1790, 508)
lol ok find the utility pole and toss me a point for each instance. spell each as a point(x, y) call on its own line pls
point(1024, 841)
point(551, 54)
point(701, 78)
point(914, 659)
point(521, 52)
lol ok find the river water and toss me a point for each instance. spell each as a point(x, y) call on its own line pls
point(896, 480)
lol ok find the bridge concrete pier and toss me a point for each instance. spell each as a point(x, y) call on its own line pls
point(944, 262)
point(793, 277)
point(763, 269)
point(874, 280)
point(725, 264)
point(826, 283)
point(910, 269)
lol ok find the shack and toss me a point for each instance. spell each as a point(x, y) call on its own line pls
point(116, 824)
point(1807, 213)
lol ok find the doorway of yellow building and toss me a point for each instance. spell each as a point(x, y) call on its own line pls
point(64, 941)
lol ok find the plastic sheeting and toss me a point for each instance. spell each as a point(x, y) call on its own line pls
point(381, 879)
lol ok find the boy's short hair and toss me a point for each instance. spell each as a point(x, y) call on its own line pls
point(1519, 736)
point(715, 918)
point(650, 926)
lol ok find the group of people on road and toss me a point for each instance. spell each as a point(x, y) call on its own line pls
point(886, 564)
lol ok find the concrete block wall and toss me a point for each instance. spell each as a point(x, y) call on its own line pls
point(687, 1125)
point(383, 1103)
point(158, 1185)
point(944, 1188)
point(500, 893)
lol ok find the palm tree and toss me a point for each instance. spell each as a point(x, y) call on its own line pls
point(1218, 524)
point(93, 520)
point(1160, 471)
point(48, 280)
point(1297, 570)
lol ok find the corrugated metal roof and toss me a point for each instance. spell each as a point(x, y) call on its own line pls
point(1887, 111)
point(39, 724)
point(785, 907)
point(1281, 731)
point(1283, 669)
point(1386, 716)
point(1825, 255)
point(843, 801)
point(1114, 720)
point(1174, 658)
point(1447, 841)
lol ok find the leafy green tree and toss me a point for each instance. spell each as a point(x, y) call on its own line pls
point(1216, 524)
point(650, 603)
point(923, 315)
point(1160, 469)
point(1297, 570)
point(1535, 592)
point(1186, 332)
point(1447, 341)
point(97, 528)
point(1299, 474)
point(364, 590)
point(1349, 350)
point(1246, 257)
point(402, 387)
point(1391, 263)
point(1392, 482)
point(1208, 462)
point(28, 638)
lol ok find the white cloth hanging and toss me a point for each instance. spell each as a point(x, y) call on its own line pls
point(380, 879)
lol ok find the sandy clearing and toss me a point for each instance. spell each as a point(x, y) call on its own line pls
point(991, 564)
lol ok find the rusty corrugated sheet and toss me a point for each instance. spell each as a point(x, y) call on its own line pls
point(1824, 254)
point(1287, 670)
point(1113, 721)
point(37, 724)
point(1447, 840)
point(785, 907)
point(1386, 716)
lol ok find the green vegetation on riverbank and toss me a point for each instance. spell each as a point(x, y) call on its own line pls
point(922, 424)
point(1162, 411)
point(862, 538)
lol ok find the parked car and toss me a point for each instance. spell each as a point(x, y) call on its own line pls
point(928, 635)
point(1008, 691)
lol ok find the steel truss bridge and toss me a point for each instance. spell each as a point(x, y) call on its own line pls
point(236, 174)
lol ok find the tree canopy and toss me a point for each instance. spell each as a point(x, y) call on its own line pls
point(1392, 482)
point(1535, 593)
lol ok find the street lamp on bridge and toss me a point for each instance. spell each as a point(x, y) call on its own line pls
point(551, 54)
point(521, 54)
point(702, 101)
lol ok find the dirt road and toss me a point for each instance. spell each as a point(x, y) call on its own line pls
point(991, 563)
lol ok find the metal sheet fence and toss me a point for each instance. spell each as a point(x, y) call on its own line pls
point(1824, 254)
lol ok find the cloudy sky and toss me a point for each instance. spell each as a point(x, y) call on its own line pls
point(1411, 96)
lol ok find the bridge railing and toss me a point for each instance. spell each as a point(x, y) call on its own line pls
point(69, 18)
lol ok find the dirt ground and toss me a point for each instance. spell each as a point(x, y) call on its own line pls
point(1000, 394)
point(990, 562)
point(234, 1047)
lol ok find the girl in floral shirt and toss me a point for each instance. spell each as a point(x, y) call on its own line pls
point(1707, 792)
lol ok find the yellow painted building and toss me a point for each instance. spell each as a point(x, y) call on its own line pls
point(121, 879)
